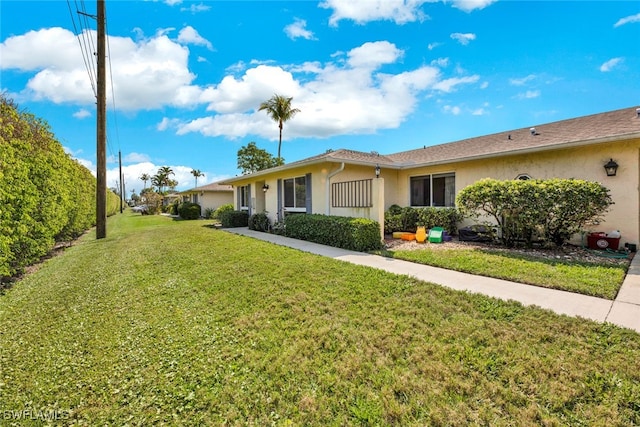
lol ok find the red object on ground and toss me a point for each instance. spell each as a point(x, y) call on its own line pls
point(601, 241)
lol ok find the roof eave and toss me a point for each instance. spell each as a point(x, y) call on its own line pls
point(529, 150)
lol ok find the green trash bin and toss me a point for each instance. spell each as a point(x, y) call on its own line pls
point(435, 235)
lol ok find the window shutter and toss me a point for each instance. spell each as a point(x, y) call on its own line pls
point(308, 193)
point(279, 215)
point(249, 199)
point(238, 198)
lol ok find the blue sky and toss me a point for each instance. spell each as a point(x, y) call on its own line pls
point(186, 78)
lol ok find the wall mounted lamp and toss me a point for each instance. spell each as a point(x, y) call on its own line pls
point(611, 168)
point(377, 171)
point(265, 187)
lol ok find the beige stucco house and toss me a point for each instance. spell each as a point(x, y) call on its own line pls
point(210, 196)
point(352, 183)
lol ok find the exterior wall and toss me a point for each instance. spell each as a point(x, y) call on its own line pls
point(579, 163)
point(213, 200)
point(322, 176)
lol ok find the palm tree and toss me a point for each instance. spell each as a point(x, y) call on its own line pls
point(278, 107)
point(161, 178)
point(196, 173)
point(144, 178)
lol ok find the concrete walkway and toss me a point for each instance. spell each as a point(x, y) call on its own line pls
point(624, 311)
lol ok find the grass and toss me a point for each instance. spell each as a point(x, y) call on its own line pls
point(170, 322)
point(596, 279)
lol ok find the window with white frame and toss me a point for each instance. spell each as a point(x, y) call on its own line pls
point(438, 190)
point(295, 194)
point(244, 197)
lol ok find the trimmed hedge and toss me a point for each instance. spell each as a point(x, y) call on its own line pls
point(546, 211)
point(231, 219)
point(357, 234)
point(408, 218)
point(259, 222)
point(188, 210)
point(45, 195)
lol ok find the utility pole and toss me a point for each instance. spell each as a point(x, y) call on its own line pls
point(121, 189)
point(101, 137)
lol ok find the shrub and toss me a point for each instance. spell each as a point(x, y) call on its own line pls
point(231, 219)
point(222, 209)
point(208, 213)
point(188, 210)
point(174, 208)
point(45, 195)
point(407, 219)
point(536, 210)
point(259, 222)
point(358, 234)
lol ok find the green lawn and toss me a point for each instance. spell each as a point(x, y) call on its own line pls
point(599, 280)
point(175, 323)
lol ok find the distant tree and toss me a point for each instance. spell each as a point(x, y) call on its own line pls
point(144, 178)
point(253, 159)
point(278, 107)
point(161, 178)
point(196, 173)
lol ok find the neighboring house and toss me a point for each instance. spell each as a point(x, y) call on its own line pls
point(344, 182)
point(210, 196)
point(169, 198)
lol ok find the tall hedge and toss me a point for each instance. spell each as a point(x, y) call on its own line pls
point(550, 210)
point(45, 196)
point(357, 234)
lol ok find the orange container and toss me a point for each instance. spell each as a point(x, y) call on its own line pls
point(408, 236)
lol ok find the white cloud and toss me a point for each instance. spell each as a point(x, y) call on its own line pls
point(484, 85)
point(135, 158)
point(298, 29)
point(349, 96)
point(530, 94)
point(463, 38)
point(82, 114)
point(189, 35)
point(195, 8)
point(471, 5)
point(432, 46)
point(363, 11)
point(449, 85)
point(610, 64)
point(147, 73)
point(440, 62)
point(455, 110)
point(521, 81)
point(374, 54)
point(628, 20)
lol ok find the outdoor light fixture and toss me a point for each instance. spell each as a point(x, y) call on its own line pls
point(611, 168)
point(265, 187)
point(377, 171)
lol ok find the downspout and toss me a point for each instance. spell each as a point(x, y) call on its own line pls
point(328, 190)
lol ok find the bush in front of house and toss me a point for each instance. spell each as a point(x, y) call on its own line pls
point(358, 234)
point(259, 222)
point(546, 211)
point(188, 210)
point(232, 219)
point(397, 218)
point(221, 210)
point(174, 208)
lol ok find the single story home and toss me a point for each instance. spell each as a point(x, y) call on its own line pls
point(210, 196)
point(357, 184)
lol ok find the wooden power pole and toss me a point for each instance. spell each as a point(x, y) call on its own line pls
point(101, 143)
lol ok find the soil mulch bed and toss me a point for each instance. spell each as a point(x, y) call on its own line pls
point(569, 253)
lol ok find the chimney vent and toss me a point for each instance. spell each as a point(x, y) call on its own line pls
point(638, 112)
point(533, 131)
